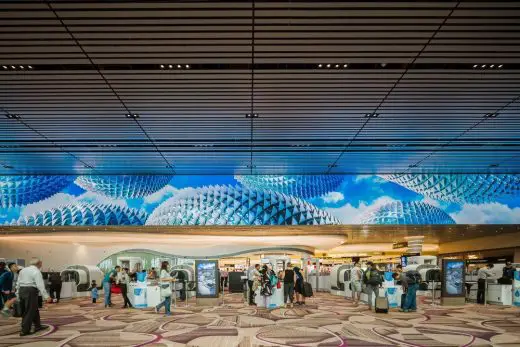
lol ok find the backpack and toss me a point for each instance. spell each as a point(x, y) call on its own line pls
point(413, 277)
point(273, 279)
point(375, 277)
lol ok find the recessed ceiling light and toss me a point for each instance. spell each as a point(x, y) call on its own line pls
point(5, 67)
point(328, 65)
point(320, 65)
point(475, 66)
point(345, 65)
point(383, 64)
point(187, 66)
point(484, 65)
point(500, 66)
point(337, 66)
point(22, 67)
point(29, 66)
point(13, 67)
point(162, 66)
point(170, 66)
point(492, 66)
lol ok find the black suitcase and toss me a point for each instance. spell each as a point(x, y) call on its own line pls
point(307, 290)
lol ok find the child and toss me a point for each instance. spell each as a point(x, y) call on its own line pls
point(93, 291)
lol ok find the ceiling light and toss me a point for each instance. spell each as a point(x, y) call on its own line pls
point(483, 66)
point(475, 66)
point(13, 67)
point(320, 65)
point(345, 65)
point(179, 66)
point(383, 64)
point(337, 66)
point(29, 66)
point(187, 66)
point(21, 67)
point(491, 115)
point(492, 66)
point(328, 65)
point(254, 115)
point(371, 115)
point(500, 66)
point(5, 67)
point(162, 66)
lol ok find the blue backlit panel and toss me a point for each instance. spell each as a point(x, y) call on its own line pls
point(25, 189)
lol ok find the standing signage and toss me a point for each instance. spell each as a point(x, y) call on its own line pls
point(453, 281)
point(516, 288)
point(207, 276)
point(391, 291)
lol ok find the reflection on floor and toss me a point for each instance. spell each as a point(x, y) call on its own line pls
point(325, 321)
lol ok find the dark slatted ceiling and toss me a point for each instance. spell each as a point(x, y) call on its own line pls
point(86, 64)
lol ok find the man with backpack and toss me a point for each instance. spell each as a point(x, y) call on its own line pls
point(373, 280)
point(410, 282)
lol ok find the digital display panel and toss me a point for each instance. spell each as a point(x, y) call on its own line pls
point(207, 275)
point(453, 277)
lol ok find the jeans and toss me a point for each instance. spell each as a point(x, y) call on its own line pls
point(481, 291)
point(411, 297)
point(166, 303)
point(372, 289)
point(288, 291)
point(251, 293)
point(106, 293)
point(124, 292)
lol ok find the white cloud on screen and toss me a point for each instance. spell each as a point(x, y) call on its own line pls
point(349, 214)
point(490, 213)
point(333, 197)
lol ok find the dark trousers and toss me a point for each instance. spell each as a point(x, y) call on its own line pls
point(94, 300)
point(223, 282)
point(55, 291)
point(481, 291)
point(125, 294)
point(288, 291)
point(251, 293)
point(31, 313)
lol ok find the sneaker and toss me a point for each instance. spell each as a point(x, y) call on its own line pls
point(6, 313)
point(168, 314)
point(401, 310)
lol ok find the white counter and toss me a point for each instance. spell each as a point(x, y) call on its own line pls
point(152, 295)
point(498, 294)
point(273, 301)
point(67, 290)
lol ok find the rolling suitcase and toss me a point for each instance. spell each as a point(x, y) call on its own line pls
point(307, 290)
point(382, 304)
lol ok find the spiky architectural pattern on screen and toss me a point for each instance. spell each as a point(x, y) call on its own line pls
point(127, 187)
point(85, 215)
point(303, 186)
point(471, 188)
point(412, 212)
point(21, 190)
point(226, 205)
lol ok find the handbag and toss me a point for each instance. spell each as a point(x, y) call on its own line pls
point(165, 290)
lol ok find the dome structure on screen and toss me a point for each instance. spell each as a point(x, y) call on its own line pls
point(85, 215)
point(303, 186)
point(412, 212)
point(126, 187)
point(21, 190)
point(471, 188)
point(226, 205)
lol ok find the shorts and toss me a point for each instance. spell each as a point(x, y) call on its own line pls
point(356, 286)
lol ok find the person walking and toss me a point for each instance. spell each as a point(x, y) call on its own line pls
point(252, 275)
point(483, 274)
point(8, 287)
point(356, 277)
point(288, 284)
point(55, 284)
point(298, 286)
point(165, 288)
point(110, 277)
point(93, 291)
point(410, 281)
point(123, 279)
point(373, 280)
point(30, 282)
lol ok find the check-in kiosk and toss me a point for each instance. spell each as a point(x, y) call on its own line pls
point(340, 280)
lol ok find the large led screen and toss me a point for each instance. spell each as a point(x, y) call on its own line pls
point(207, 274)
point(453, 278)
point(259, 200)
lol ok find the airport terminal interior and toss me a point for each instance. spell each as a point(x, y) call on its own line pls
point(259, 173)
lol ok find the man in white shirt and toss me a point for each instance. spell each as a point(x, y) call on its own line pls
point(251, 276)
point(355, 282)
point(30, 282)
point(483, 274)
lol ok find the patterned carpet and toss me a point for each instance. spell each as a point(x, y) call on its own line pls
point(325, 321)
